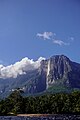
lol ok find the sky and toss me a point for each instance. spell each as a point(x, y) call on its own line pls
point(39, 28)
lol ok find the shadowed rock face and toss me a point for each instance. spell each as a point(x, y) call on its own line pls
point(58, 70)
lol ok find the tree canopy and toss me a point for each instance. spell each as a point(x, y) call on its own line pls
point(61, 103)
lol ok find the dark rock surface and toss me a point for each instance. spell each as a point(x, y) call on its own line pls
point(61, 70)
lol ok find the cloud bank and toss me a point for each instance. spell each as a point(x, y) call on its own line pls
point(19, 68)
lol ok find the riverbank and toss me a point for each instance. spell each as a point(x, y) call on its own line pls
point(34, 115)
point(50, 116)
point(41, 117)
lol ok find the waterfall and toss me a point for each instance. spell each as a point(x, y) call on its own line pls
point(48, 70)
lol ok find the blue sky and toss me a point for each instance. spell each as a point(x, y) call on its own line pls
point(25, 23)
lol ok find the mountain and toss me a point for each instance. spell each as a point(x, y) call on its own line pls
point(61, 72)
point(56, 74)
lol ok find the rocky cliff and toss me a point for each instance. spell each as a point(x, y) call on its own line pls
point(58, 72)
point(60, 69)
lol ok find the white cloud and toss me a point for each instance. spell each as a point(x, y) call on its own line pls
point(60, 42)
point(46, 35)
point(19, 68)
point(52, 36)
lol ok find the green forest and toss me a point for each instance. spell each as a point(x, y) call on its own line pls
point(60, 103)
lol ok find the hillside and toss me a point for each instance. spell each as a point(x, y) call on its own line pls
point(56, 74)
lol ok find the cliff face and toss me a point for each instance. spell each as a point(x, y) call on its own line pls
point(60, 70)
point(56, 72)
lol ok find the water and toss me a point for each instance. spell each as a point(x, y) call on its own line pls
point(53, 117)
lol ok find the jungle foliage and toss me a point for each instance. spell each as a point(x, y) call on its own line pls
point(60, 103)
